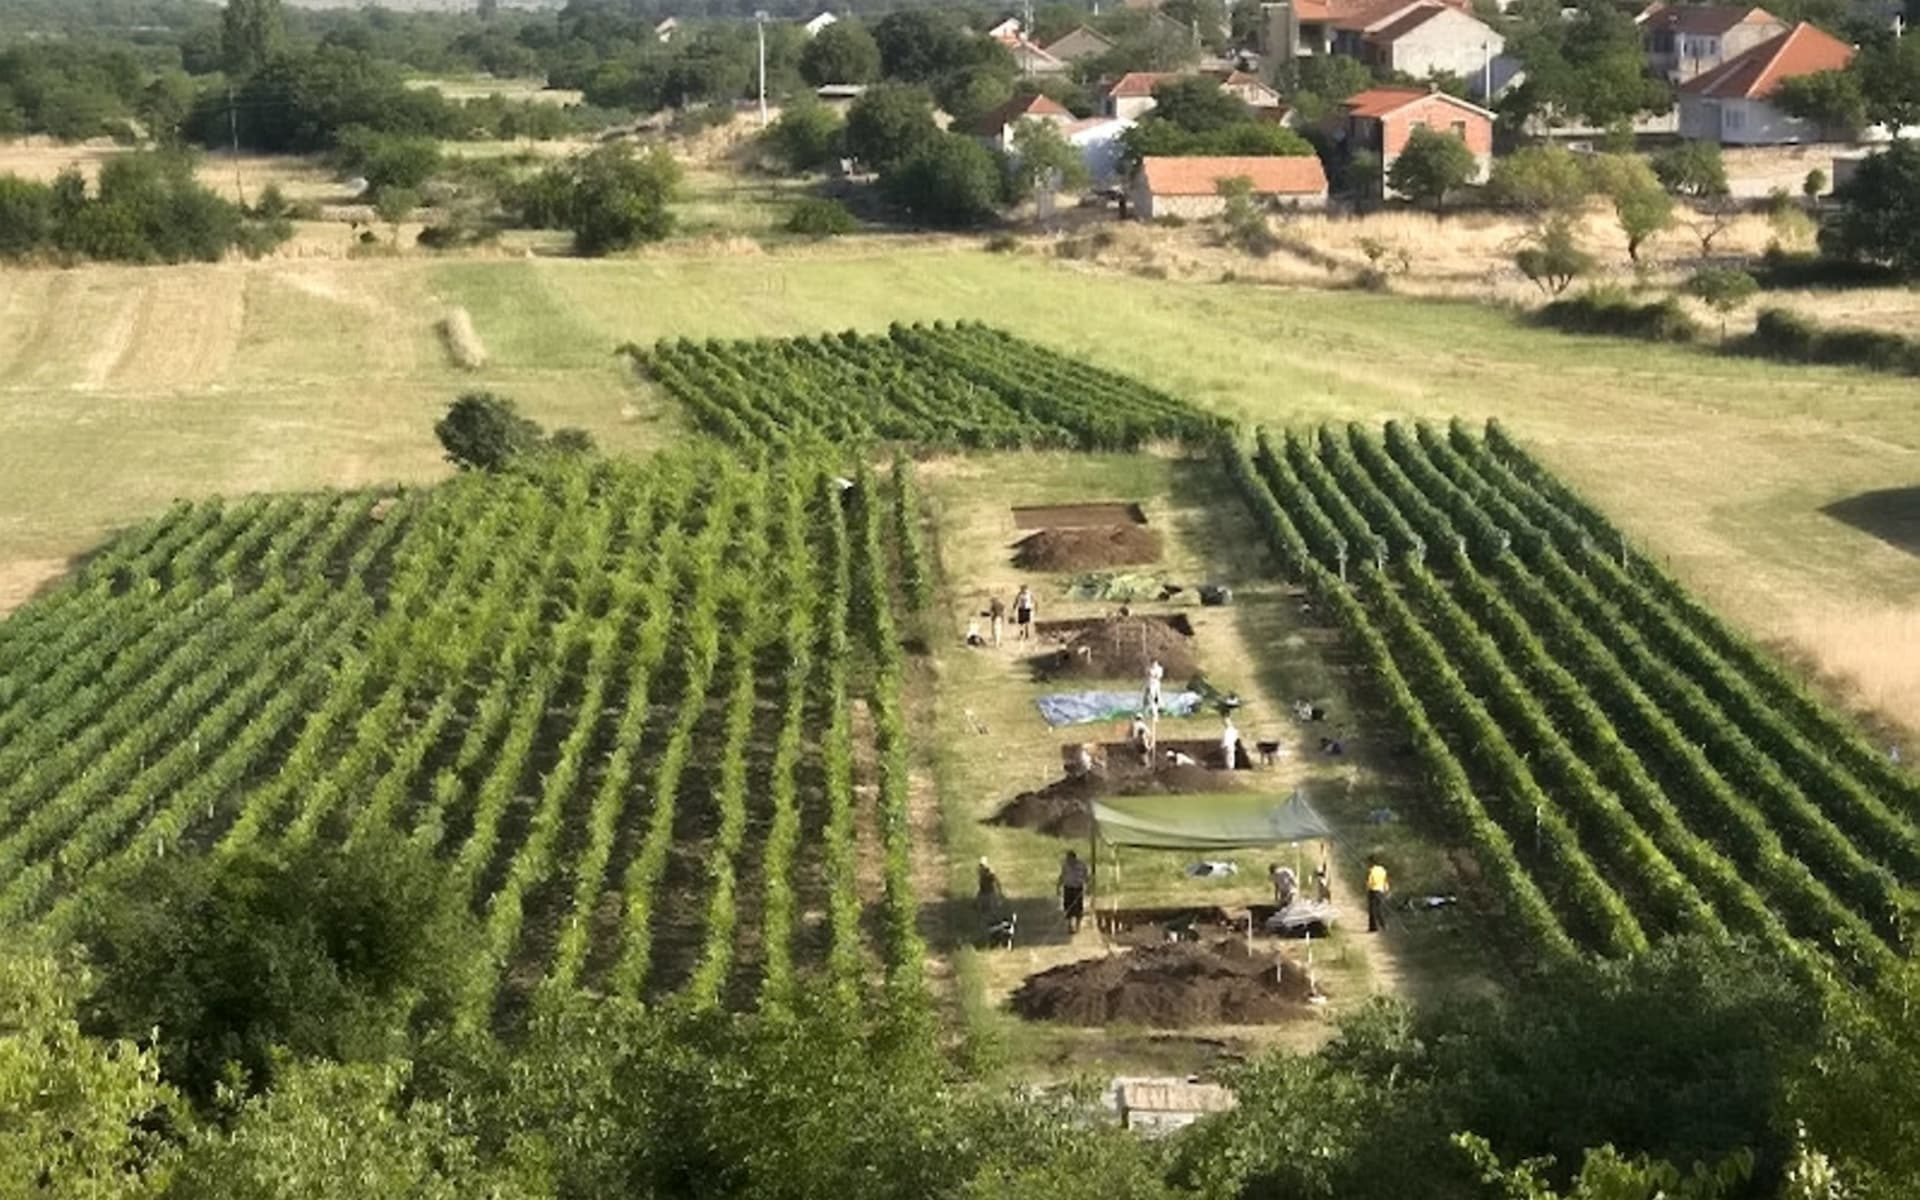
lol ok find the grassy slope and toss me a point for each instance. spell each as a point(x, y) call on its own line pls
point(120, 389)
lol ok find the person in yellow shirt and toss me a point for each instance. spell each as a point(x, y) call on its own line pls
point(1376, 896)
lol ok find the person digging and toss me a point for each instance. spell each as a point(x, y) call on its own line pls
point(1023, 612)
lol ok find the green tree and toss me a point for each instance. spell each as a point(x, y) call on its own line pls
point(26, 217)
point(1554, 259)
point(394, 205)
point(971, 93)
point(950, 181)
point(1606, 1174)
point(918, 44)
point(164, 105)
point(1589, 68)
point(485, 432)
point(1888, 69)
point(1540, 180)
point(888, 124)
point(1640, 205)
point(1205, 18)
point(808, 134)
point(236, 959)
point(1831, 99)
point(1692, 168)
point(1198, 104)
point(1431, 165)
point(83, 1117)
point(843, 52)
point(1044, 161)
point(387, 160)
point(251, 33)
point(1316, 84)
point(619, 198)
point(344, 1132)
point(1245, 222)
point(1724, 289)
point(1878, 214)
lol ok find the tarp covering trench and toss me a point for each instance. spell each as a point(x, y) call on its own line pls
point(1219, 821)
point(1085, 708)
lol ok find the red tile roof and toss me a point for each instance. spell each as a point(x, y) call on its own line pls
point(1406, 23)
point(1019, 109)
point(1361, 15)
point(1293, 175)
point(1709, 20)
point(1384, 101)
point(1139, 83)
point(1756, 74)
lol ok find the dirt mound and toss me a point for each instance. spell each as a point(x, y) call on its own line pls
point(1167, 987)
point(1121, 648)
point(1087, 549)
point(1062, 808)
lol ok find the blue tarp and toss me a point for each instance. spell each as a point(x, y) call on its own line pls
point(1084, 708)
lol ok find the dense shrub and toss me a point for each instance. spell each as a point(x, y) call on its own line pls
point(819, 217)
point(1782, 269)
point(1612, 312)
point(611, 198)
point(951, 181)
point(146, 208)
point(1789, 337)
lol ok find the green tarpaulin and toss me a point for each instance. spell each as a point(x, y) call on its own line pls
point(1223, 821)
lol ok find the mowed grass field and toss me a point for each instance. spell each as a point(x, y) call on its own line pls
point(123, 388)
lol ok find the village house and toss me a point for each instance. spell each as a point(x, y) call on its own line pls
point(1007, 32)
point(1307, 27)
point(1131, 96)
point(1189, 188)
point(1433, 37)
point(1033, 60)
point(1683, 41)
point(1380, 120)
point(1732, 104)
point(996, 128)
point(813, 25)
point(665, 28)
point(1079, 43)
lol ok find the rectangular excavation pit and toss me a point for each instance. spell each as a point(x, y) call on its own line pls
point(1075, 516)
point(1120, 759)
point(1065, 630)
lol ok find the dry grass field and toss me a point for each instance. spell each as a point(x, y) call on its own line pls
point(122, 388)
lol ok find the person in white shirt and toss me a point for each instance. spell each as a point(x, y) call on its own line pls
point(1230, 746)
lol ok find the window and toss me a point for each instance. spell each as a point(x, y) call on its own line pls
point(1460, 130)
point(1733, 119)
point(1663, 42)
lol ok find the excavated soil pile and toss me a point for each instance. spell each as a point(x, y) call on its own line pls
point(1061, 809)
point(1121, 648)
point(1167, 987)
point(1087, 549)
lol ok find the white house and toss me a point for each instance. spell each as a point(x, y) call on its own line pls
point(1732, 104)
point(996, 128)
point(814, 25)
point(1430, 38)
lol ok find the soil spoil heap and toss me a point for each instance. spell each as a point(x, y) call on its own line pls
point(1063, 808)
point(1171, 986)
point(1122, 647)
point(1087, 549)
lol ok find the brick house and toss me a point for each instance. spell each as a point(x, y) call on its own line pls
point(1306, 27)
point(1682, 41)
point(1380, 120)
point(1190, 187)
point(1731, 104)
point(1434, 37)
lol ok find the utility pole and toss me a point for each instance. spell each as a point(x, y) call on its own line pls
point(760, 33)
point(233, 130)
point(1486, 74)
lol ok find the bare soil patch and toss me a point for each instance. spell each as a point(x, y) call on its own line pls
point(1122, 648)
point(1058, 516)
point(1170, 986)
point(1088, 548)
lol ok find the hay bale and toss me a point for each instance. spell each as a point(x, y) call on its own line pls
point(462, 340)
